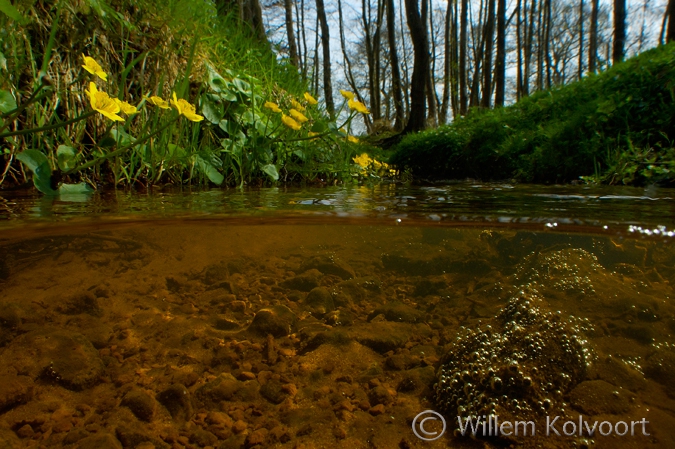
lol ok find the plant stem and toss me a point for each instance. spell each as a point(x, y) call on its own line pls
point(121, 150)
point(49, 127)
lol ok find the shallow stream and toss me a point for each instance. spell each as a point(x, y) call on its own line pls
point(333, 317)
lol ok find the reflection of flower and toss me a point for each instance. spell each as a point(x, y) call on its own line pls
point(348, 95)
point(101, 102)
point(126, 107)
point(272, 106)
point(186, 109)
point(290, 122)
point(363, 160)
point(297, 116)
point(94, 68)
point(358, 106)
point(311, 100)
point(353, 139)
point(297, 105)
point(159, 102)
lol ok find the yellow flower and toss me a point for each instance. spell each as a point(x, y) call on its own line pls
point(94, 68)
point(353, 139)
point(101, 102)
point(346, 94)
point(159, 102)
point(312, 134)
point(126, 107)
point(358, 106)
point(297, 115)
point(363, 160)
point(297, 105)
point(186, 109)
point(290, 122)
point(272, 106)
point(377, 164)
point(311, 100)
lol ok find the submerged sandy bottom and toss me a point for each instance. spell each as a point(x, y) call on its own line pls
point(144, 336)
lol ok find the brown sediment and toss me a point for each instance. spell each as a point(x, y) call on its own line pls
point(193, 335)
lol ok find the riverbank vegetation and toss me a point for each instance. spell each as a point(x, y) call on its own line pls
point(143, 93)
point(616, 127)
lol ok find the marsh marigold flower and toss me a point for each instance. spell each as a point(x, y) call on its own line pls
point(363, 160)
point(348, 95)
point(159, 102)
point(311, 100)
point(186, 109)
point(272, 106)
point(94, 68)
point(312, 134)
point(126, 107)
point(298, 116)
point(297, 105)
point(358, 106)
point(101, 102)
point(353, 139)
point(290, 122)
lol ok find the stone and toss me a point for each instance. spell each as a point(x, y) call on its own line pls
point(99, 441)
point(203, 438)
point(176, 399)
point(223, 388)
point(597, 397)
point(417, 379)
point(11, 315)
point(140, 403)
point(279, 321)
point(319, 301)
point(75, 435)
point(65, 357)
point(398, 312)
point(618, 373)
point(328, 265)
point(518, 365)
point(379, 395)
point(273, 391)
point(133, 436)
point(85, 302)
point(386, 336)
point(303, 282)
point(660, 367)
point(14, 390)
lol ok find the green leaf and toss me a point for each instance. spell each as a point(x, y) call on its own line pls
point(242, 86)
point(212, 110)
point(210, 171)
point(3, 61)
point(65, 156)
point(271, 171)
point(32, 159)
point(7, 102)
point(11, 12)
point(75, 189)
point(42, 172)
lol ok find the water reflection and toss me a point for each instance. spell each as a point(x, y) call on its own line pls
point(456, 202)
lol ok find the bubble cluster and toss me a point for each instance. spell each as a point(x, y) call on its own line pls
point(520, 366)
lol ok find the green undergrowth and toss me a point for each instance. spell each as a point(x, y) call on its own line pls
point(203, 89)
point(615, 127)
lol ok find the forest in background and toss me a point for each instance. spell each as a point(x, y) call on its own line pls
point(467, 53)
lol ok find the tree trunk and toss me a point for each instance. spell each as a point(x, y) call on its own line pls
point(528, 48)
point(292, 48)
point(487, 64)
point(670, 31)
point(581, 38)
point(519, 49)
point(418, 32)
point(619, 30)
point(447, 66)
point(593, 37)
point(500, 62)
point(432, 98)
point(399, 115)
point(325, 45)
point(249, 12)
point(463, 91)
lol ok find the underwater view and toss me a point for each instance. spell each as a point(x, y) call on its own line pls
point(463, 315)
